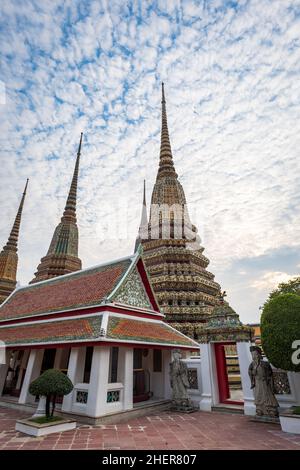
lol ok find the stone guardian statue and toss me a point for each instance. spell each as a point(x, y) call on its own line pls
point(180, 383)
point(261, 376)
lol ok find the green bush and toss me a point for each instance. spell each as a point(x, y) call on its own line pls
point(280, 327)
point(51, 383)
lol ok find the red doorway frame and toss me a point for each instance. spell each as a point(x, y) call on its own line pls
point(222, 375)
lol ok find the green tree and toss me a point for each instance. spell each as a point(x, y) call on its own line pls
point(50, 384)
point(280, 328)
point(290, 287)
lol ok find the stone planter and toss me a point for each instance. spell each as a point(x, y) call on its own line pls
point(290, 422)
point(34, 429)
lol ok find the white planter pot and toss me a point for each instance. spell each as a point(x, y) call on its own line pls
point(290, 423)
point(37, 430)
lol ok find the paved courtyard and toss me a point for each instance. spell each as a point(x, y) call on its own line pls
point(169, 431)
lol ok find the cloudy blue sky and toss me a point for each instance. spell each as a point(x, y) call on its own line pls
point(232, 74)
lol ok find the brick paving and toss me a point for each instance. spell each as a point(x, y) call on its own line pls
point(166, 431)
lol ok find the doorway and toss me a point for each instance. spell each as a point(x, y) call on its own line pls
point(228, 373)
point(141, 376)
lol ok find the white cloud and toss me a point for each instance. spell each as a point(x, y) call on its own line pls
point(233, 106)
point(271, 280)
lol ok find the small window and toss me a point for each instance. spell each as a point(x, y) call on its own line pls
point(114, 365)
point(157, 360)
point(88, 364)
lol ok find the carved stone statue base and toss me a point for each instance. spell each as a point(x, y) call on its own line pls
point(265, 419)
point(184, 406)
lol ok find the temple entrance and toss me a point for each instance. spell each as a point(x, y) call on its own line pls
point(228, 373)
point(141, 376)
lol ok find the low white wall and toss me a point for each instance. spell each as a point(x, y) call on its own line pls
point(194, 364)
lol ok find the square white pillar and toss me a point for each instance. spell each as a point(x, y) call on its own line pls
point(206, 396)
point(125, 375)
point(97, 397)
point(167, 359)
point(209, 377)
point(22, 368)
point(3, 371)
point(33, 371)
point(245, 358)
point(75, 374)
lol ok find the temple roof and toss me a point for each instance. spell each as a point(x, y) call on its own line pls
point(89, 329)
point(82, 289)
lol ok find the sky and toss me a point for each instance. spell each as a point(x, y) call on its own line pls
point(232, 80)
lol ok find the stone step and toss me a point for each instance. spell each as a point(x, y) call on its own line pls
point(231, 409)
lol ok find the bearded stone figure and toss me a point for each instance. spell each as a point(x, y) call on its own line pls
point(261, 376)
point(179, 383)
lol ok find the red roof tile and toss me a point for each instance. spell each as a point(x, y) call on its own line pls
point(52, 332)
point(150, 332)
point(82, 288)
point(88, 328)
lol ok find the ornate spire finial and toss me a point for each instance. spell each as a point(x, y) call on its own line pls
point(62, 256)
point(166, 165)
point(12, 243)
point(70, 209)
point(144, 197)
point(9, 255)
point(163, 99)
point(143, 228)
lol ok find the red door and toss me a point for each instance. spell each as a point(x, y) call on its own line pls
point(224, 393)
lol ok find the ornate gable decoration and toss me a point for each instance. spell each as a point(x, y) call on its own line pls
point(132, 292)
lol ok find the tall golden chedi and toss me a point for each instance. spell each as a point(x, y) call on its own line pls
point(62, 256)
point(185, 290)
point(9, 256)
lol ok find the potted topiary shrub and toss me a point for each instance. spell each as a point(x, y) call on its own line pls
point(280, 332)
point(51, 384)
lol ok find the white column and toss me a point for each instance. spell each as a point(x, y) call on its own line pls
point(245, 358)
point(97, 397)
point(209, 377)
point(22, 367)
point(75, 374)
point(125, 375)
point(57, 360)
point(3, 371)
point(206, 396)
point(166, 370)
point(294, 381)
point(32, 372)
